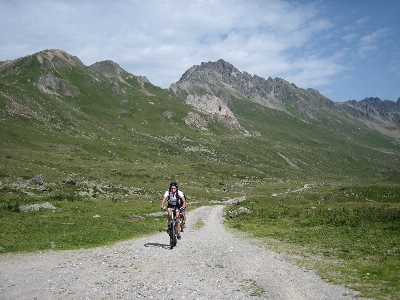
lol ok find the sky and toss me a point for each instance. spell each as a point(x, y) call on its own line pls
point(346, 49)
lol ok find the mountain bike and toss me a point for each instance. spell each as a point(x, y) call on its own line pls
point(172, 231)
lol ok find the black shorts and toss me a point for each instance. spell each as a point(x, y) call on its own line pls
point(174, 207)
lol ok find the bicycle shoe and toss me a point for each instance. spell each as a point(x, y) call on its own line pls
point(179, 236)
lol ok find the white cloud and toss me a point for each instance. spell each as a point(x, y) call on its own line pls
point(315, 71)
point(370, 42)
point(394, 67)
point(350, 37)
point(362, 21)
point(162, 39)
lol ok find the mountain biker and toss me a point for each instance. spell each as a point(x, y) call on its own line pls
point(176, 201)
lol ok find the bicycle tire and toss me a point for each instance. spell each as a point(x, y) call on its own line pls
point(171, 236)
point(174, 234)
point(171, 242)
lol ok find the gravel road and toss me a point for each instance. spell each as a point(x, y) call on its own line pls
point(208, 263)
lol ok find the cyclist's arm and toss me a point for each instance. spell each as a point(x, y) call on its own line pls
point(163, 201)
point(184, 201)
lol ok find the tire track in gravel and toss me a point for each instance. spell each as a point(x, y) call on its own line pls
point(208, 263)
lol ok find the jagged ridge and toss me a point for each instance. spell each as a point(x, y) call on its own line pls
point(210, 86)
point(101, 121)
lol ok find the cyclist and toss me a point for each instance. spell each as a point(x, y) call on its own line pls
point(176, 201)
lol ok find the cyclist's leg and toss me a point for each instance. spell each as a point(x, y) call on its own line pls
point(184, 215)
point(169, 216)
point(178, 223)
point(183, 218)
point(170, 211)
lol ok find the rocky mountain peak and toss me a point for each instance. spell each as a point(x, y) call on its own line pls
point(221, 80)
point(58, 59)
point(109, 69)
point(49, 60)
point(219, 71)
point(208, 88)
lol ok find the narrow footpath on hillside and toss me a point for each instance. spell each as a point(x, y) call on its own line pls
point(209, 262)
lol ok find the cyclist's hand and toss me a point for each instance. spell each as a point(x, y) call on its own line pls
point(163, 208)
point(183, 208)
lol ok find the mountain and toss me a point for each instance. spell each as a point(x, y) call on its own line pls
point(383, 116)
point(211, 87)
point(225, 82)
point(218, 131)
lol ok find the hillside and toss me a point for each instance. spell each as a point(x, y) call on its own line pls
point(218, 131)
point(212, 86)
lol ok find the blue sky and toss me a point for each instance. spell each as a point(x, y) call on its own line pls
point(346, 49)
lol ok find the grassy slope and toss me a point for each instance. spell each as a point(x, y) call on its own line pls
point(350, 235)
point(123, 151)
point(98, 125)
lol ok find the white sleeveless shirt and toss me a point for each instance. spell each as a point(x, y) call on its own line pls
point(173, 198)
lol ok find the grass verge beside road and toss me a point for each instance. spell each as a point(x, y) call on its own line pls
point(350, 235)
point(77, 223)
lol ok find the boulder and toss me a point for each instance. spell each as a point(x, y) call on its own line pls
point(36, 207)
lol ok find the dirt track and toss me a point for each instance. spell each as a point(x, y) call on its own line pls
point(208, 263)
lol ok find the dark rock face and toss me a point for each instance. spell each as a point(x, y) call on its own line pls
point(109, 68)
point(211, 86)
point(373, 108)
point(221, 79)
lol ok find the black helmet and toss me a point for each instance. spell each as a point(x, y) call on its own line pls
point(173, 183)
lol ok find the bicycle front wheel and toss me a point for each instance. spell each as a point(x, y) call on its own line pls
point(172, 235)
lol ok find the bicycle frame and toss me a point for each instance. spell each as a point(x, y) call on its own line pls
point(172, 231)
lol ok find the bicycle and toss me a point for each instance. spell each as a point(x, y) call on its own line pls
point(172, 231)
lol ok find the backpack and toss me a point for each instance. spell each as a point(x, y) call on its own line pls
point(179, 198)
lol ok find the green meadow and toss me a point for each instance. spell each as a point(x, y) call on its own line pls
point(322, 189)
point(349, 235)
